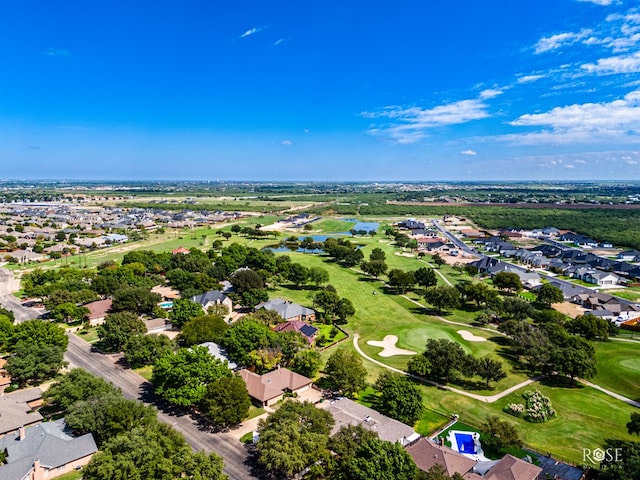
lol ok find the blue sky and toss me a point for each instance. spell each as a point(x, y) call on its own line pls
point(320, 90)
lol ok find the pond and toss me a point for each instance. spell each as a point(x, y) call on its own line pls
point(366, 226)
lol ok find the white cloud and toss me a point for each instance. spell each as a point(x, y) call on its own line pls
point(57, 52)
point(612, 65)
point(468, 152)
point(491, 93)
point(530, 78)
point(286, 142)
point(588, 122)
point(558, 40)
point(278, 42)
point(251, 31)
point(604, 3)
point(410, 124)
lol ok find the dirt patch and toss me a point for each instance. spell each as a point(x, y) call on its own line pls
point(570, 309)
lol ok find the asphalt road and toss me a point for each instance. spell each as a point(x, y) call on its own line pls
point(8, 285)
point(135, 387)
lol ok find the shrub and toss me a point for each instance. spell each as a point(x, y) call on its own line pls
point(538, 408)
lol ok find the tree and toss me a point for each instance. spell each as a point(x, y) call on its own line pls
point(489, 370)
point(374, 267)
point(69, 312)
point(624, 464)
point(401, 280)
point(77, 385)
point(575, 358)
point(516, 308)
point(253, 297)
point(318, 276)
point(509, 281)
point(633, 426)
point(205, 328)
point(142, 350)
point(227, 401)
point(184, 310)
point(117, 329)
point(244, 336)
point(246, 279)
point(548, 294)
point(437, 472)
point(39, 332)
point(445, 357)
point(442, 297)
point(499, 434)
point(33, 363)
point(306, 362)
point(329, 302)
point(419, 365)
point(294, 437)
point(399, 398)
point(157, 452)
point(345, 372)
point(374, 459)
point(438, 260)
point(377, 254)
point(108, 415)
point(345, 309)
point(589, 326)
point(181, 377)
point(135, 299)
point(425, 277)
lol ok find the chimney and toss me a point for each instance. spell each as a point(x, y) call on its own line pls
point(21, 433)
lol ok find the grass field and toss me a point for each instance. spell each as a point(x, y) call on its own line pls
point(618, 366)
point(332, 225)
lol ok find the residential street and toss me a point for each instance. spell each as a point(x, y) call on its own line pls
point(8, 285)
point(133, 386)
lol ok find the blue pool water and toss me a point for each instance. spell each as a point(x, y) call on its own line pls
point(165, 304)
point(465, 443)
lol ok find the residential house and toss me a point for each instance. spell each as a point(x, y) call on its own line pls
point(216, 351)
point(157, 325)
point(17, 409)
point(411, 224)
point(211, 298)
point(180, 250)
point(307, 331)
point(269, 388)
point(167, 293)
point(580, 240)
point(98, 311)
point(288, 310)
point(43, 451)
point(427, 454)
point(347, 412)
point(528, 279)
point(629, 255)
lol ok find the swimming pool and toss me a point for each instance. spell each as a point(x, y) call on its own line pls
point(465, 443)
point(165, 305)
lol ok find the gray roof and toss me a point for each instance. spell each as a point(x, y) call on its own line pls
point(216, 351)
point(47, 442)
point(285, 309)
point(347, 412)
point(14, 411)
point(212, 296)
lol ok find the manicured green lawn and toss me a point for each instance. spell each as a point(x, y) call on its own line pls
point(618, 366)
point(145, 372)
point(332, 225)
point(88, 335)
point(75, 475)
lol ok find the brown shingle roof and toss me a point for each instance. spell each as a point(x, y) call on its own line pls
point(427, 454)
point(99, 309)
point(512, 468)
point(272, 384)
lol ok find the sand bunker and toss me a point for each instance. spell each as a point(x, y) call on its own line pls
point(405, 254)
point(389, 348)
point(470, 337)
